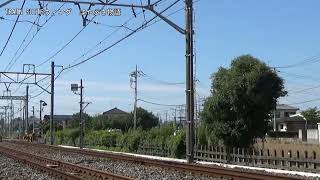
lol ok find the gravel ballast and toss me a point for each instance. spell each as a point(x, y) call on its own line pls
point(124, 168)
point(11, 169)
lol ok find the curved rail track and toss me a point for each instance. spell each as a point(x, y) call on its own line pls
point(194, 168)
point(59, 169)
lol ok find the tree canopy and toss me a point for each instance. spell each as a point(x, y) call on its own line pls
point(242, 99)
point(312, 115)
point(145, 119)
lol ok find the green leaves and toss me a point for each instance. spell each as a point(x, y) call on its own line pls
point(241, 100)
point(312, 115)
point(146, 120)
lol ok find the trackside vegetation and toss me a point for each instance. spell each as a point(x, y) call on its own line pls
point(237, 112)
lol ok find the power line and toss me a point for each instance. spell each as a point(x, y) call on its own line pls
point(8, 67)
point(47, 86)
point(303, 102)
point(38, 30)
point(118, 28)
point(311, 60)
point(306, 89)
point(64, 46)
point(305, 77)
point(149, 102)
point(20, 21)
point(125, 37)
point(14, 26)
point(161, 81)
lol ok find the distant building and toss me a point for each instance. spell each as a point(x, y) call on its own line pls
point(292, 123)
point(283, 121)
point(115, 112)
point(60, 119)
point(284, 110)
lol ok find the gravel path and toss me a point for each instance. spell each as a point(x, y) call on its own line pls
point(129, 169)
point(11, 169)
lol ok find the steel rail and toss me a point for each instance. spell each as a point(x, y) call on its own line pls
point(195, 168)
point(63, 170)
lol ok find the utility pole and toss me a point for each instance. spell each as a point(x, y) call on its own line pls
point(189, 82)
point(33, 119)
point(2, 125)
point(11, 118)
point(135, 98)
point(8, 117)
point(81, 118)
point(41, 104)
point(5, 119)
point(74, 88)
point(40, 118)
point(21, 116)
point(26, 110)
point(134, 79)
point(23, 120)
point(52, 103)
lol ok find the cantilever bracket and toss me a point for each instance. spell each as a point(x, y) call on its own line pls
point(171, 23)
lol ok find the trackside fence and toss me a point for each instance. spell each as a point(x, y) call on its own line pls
point(154, 150)
point(269, 158)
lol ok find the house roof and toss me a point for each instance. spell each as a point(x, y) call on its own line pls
point(114, 111)
point(60, 117)
point(298, 115)
point(286, 107)
point(292, 119)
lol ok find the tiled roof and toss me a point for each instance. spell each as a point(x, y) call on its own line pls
point(59, 117)
point(286, 107)
point(114, 111)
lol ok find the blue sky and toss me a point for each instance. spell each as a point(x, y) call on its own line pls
point(278, 32)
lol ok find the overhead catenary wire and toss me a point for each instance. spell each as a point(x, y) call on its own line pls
point(63, 71)
point(59, 73)
point(20, 21)
point(138, 29)
point(38, 30)
point(65, 45)
point(12, 61)
point(120, 40)
point(12, 30)
point(116, 30)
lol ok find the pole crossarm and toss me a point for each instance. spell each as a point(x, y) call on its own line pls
point(22, 98)
point(86, 105)
point(4, 107)
point(16, 77)
point(172, 24)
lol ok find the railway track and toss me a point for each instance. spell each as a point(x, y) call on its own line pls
point(194, 168)
point(59, 169)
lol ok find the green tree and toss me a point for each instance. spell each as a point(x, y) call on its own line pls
point(122, 122)
point(242, 99)
point(145, 119)
point(74, 123)
point(312, 115)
